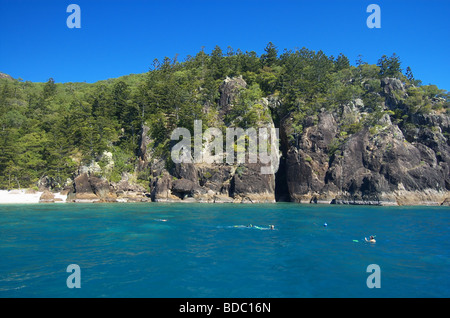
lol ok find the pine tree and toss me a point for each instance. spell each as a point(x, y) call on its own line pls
point(342, 62)
point(216, 63)
point(390, 66)
point(270, 57)
point(49, 88)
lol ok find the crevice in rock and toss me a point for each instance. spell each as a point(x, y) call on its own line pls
point(281, 186)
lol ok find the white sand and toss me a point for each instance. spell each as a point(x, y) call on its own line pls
point(60, 196)
point(20, 196)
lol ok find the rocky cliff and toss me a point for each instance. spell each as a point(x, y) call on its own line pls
point(388, 162)
point(218, 182)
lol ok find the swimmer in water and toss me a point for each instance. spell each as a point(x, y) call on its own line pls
point(272, 227)
point(371, 239)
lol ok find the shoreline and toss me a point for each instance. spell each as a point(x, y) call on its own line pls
point(27, 196)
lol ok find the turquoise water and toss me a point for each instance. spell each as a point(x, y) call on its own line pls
point(206, 250)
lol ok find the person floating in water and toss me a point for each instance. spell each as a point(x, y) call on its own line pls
point(371, 239)
point(272, 227)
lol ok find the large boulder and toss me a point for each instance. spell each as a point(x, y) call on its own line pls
point(183, 187)
point(82, 190)
point(162, 189)
point(389, 85)
point(100, 187)
point(47, 197)
point(229, 90)
point(82, 184)
point(249, 184)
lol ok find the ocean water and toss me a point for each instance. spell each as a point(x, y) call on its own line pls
point(207, 250)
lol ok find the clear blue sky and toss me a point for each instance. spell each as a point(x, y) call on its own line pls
point(122, 37)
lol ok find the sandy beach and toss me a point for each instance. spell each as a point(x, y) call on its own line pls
point(24, 196)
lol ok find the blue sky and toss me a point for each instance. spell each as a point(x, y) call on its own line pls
point(121, 37)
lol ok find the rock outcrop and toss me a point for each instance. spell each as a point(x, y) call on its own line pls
point(47, 197)
point(89, 188)
point(229, 91)
point(219, 182)
point(6, 76)
point(387, 164)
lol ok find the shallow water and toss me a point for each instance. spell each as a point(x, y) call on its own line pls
point(207, 250)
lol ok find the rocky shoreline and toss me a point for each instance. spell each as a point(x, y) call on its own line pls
point(103, 195)
point(32, 197)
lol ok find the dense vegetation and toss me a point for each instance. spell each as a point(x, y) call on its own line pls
point(50, 129)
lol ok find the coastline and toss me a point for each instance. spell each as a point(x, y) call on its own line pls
point(28, 196)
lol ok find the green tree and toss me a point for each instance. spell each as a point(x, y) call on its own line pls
point(216, 64)
point(270, 57)
point(49, 88)
point(342, 62)
point(390, 66)
point(410, 76)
